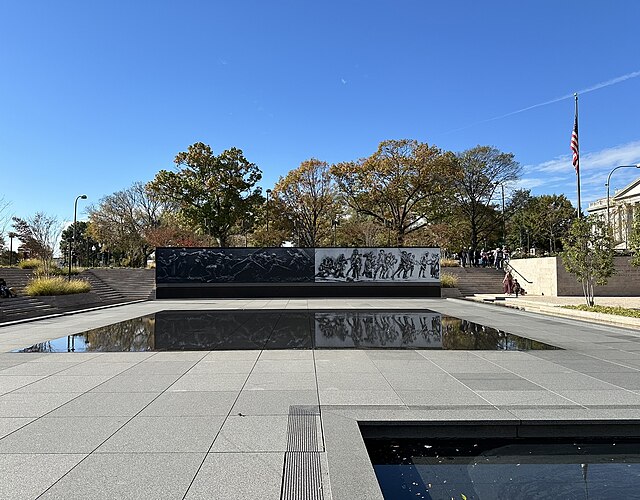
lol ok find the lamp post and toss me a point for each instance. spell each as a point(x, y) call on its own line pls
point(267, 209)
point(11, 236)
point(73, 242)
point(334, 224)
point(608, 184)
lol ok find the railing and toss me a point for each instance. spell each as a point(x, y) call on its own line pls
point(509, 267)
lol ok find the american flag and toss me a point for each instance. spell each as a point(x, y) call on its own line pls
point(574, 145)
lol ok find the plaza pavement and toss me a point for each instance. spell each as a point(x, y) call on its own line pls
point(219, 424)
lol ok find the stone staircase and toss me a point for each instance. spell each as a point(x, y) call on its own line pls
point(477, 280)
point(108, 286)
point(130, 284)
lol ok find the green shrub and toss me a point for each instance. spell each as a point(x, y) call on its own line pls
point(449, 263)
point(448, 280)
point(56, 286)
point(30, 264)
point(617, 311)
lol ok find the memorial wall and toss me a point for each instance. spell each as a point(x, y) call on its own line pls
point(303, 272)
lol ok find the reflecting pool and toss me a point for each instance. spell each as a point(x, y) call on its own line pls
point(290, 329)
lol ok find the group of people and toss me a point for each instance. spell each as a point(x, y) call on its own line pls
point(5, 291)
point(510, 285)
point(384, 265)
point(497, 258)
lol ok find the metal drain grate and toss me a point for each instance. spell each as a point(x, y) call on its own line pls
point(302, 473)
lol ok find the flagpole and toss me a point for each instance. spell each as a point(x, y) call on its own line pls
point(578, 164)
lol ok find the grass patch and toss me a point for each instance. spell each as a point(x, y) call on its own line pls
point(617, 311)
point(448, 280)
point(56, 286)
point(30, 264)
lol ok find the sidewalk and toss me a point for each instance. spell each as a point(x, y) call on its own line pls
point(551, 305)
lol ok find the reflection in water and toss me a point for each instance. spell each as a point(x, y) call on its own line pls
point(460, 334)
point(517, 469)
point(378, 329)
point(289, 329)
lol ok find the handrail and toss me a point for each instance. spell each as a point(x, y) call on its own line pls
point(511, 268)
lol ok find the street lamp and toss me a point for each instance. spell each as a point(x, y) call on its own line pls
point(11, 236)
point(267, 209)
point(334, 224)
point(73, 242)
point(608, 187)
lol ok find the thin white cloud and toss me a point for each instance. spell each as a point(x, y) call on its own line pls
point(597, 86)
point(623, 154)
point(549, 176)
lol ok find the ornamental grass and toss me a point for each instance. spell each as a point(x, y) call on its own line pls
point(56, 286)
point(448, 280)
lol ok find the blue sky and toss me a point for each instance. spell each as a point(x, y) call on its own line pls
point(95, 96)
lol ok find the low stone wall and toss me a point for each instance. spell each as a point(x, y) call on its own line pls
point(549, 277)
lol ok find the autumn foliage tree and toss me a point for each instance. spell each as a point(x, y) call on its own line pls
point(405, 185)
point(482, 171)
point(213, 193)
point(308, 196)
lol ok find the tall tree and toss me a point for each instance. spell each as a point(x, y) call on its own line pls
point(589, 254)
point(483, 170)
point(83, 244)
point(308, 195)
point(213, 193)
point(120, 221)
point(404, 185)
point(38, 235)
point(539, 221)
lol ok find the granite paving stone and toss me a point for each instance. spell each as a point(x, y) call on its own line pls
point(92, 367)
point(10, 424)
point(26, 475)
point(9, 383)
point(253, 434)
point(35, 368)
point(210, 382)
point(284, 366)
point(128, 476)
point(61, 435)
point(480, 384)
point(191, 403)
point(239, 476)
point(164, 434)
point(151, 367)
point(537, 398)
point(602, 397)
point(352, 381)
point(107, 404)
point(141, 382)
point(336, 397)
point(64, 383)
point(15, 404)
point(304, 381)
point(223, 366)
point(442, 397)
point(272, 402)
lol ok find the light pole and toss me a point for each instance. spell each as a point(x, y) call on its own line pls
point(11, 236)
point(267, 209)
point(608, 184)
point(73, 242)
point(334, 223)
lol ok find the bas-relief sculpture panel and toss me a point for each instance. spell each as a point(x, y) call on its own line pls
point(378, 264)
point(297, 265)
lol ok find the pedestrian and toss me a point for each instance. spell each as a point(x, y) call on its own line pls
point(507, 283)
point(463, 257)
point(516, 287)
point(499, 257)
